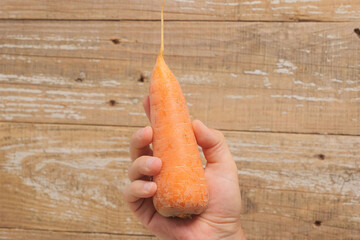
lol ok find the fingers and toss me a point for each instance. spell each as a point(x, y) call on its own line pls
point(139, 189)
point(144, 166)
point(146, 105)
point(212, 142)
point(139, 143)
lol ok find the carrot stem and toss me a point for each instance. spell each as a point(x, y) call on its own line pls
point(162, 29)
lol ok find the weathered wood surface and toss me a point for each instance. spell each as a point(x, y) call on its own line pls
point(70, 177)
point(246, 10)
point(279, 77)
point(20, 234)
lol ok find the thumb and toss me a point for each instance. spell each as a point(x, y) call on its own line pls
point(213, 144)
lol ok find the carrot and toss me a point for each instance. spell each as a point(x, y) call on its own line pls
point(181, 185)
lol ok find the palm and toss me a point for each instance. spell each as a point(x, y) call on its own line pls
point(223, 208)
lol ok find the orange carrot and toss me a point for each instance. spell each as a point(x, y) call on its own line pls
point(181, 185)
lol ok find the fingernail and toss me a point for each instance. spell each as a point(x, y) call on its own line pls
point(148, 186)
point(149, 161)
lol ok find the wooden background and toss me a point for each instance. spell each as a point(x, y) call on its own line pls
point(280, 78)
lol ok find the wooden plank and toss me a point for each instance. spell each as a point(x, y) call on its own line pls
point(20, 234)
point(70, 177)
point(279, 77)
point(243, 10)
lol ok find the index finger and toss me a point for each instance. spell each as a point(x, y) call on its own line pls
point(139, 143)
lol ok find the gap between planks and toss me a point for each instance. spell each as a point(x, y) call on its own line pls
point(78, 232)
point(175, 20)
point(140, 126)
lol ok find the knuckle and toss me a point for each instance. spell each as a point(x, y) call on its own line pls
point(220, 135)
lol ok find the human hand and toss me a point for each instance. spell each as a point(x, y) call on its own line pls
point(221, 219)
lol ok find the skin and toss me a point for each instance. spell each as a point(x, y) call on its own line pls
point(221, 219)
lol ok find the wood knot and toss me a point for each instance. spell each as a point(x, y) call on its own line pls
point(81, 78)
point(115, 41)
point(112, 103)
point(317, 223)
point(141, 78)
point(357, 31)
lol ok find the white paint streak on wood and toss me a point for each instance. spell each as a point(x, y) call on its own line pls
point(65, 116)
point(241, 97)
point(196, 79)
point(310, 99)
point(318, 74)
point(309, 1)
point(81, 107)
point(185, 1)
point(312, 180)
point(11, 116)
point(285, 67)
point(222, 4)
point(336, 80)
point(138, 113)
point(84, 164)
point(275, 2)
point(20, 90)
point(351, 82)
point(191, 94)
point(187, 8)
point(50, 38)
point(35, 105)
point(18, 98)
point(343, 9)
point(110, 83)
point(325, 88)
point(68, 93)
point(59, 100)
point(267, 83)
point(34, 79)
point(20, 110)
point(111, 108)
point(309, 6)
point(258, 9)
point(251, 2)
point(305, 85)
point(354, 89)
point(256, 72)
point(58, 190)
point(315, 12)
point(281, 8)
point(48, 46)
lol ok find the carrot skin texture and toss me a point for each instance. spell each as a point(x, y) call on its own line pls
point(181, 185)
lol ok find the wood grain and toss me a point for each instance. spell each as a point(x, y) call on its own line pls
point(278, 77)
point(70, 177)
point(20, 234)
point(234, 10)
